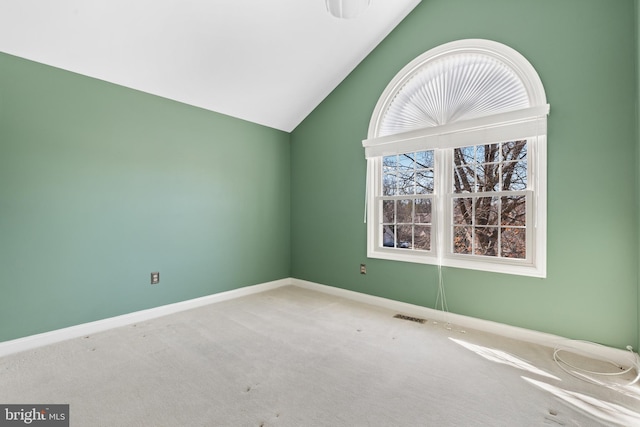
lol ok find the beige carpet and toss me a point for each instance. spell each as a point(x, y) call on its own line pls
point(294, 357)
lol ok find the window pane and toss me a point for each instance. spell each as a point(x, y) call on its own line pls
point(388, 211)
point(405, 182)
point(405, 211)
point(464, 180)
point(388, 184)
point(388, 236)
point(486, 241)
point(390, 161)
point(514, 210)
point(422, 211)
point(514, 150)
point(486, 211)
point(424, 182)
point(462, 240)
point(464, 155)
point(487, 153)
point(389, 170)
point(405, 237)
point(463, 210)
point(514, 243)
point(514, 176)
point(424, 159)
point(406, 161)
point(488, 177)
point(422, 237)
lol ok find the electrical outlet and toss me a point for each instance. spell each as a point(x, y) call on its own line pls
point(363, 269)
point(155, 278)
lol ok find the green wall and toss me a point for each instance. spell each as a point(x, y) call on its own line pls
point(584, 52)
point(101, 185)
point(637, 111)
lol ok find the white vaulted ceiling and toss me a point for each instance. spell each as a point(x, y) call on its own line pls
point(266, 61)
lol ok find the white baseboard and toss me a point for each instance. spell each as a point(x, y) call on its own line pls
point(606, 353)
point(46, 338)
point(621, 357)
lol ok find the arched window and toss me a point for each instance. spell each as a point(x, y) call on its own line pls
point(456, 162)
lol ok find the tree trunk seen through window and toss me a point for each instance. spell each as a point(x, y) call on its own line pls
point(489, 203)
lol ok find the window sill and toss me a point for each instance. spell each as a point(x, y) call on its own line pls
point(495, 266)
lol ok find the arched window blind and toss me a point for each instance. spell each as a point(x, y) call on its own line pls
point(453, 88)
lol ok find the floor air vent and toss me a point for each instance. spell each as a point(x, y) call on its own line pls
point(409, 318)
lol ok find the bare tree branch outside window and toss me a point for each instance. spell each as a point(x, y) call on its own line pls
point(407, 200)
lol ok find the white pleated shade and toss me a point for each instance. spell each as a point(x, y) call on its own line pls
point(454, 88)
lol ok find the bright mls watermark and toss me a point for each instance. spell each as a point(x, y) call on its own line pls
point(34, 415)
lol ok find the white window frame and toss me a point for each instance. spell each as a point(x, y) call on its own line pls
point(524, 123)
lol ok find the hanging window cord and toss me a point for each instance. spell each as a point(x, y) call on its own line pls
point(583, 374)
point(366, 190)
point(441, 301)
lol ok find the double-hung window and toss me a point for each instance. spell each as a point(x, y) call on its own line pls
point(456, 162)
